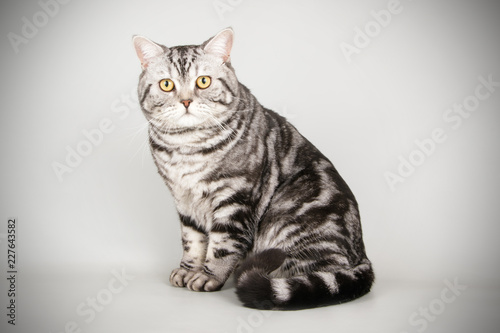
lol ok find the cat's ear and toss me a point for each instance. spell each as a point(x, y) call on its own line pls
point(220, 45)
point(146, 50)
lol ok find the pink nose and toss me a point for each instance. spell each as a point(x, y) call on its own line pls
point(186, 102)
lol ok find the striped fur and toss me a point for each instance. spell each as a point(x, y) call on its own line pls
point(254, 196)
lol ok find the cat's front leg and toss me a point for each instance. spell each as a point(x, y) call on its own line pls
point(194, 243)
point(226, 247)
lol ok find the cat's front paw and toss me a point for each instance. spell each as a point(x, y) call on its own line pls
point(180, 277)
point(201, 281)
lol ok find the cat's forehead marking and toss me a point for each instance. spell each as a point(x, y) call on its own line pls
point(183, 57)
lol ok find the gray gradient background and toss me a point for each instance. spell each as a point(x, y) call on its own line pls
point(113, 211)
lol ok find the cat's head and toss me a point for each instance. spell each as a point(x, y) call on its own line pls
point(187, 86)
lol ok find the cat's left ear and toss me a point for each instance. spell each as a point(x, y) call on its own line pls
point(146, 50)
point(220, 45)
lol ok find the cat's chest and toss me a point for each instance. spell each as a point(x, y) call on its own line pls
point(186, 177)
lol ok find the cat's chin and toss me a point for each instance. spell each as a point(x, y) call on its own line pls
point(189, 120)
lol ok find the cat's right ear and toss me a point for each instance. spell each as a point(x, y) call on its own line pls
point(146, 50)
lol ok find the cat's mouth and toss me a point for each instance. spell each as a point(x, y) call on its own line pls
point(189, 118)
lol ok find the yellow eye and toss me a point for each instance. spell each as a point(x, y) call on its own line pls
point(203, 82)
point(167, 85)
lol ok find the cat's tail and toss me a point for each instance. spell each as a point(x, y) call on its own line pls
point(257, 288)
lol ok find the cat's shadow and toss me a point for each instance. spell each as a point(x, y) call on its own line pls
point(228, 292)
point(230, 284)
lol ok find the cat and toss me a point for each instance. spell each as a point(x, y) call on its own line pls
point(254, 197)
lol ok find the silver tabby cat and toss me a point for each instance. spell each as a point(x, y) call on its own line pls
point(253, 195)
